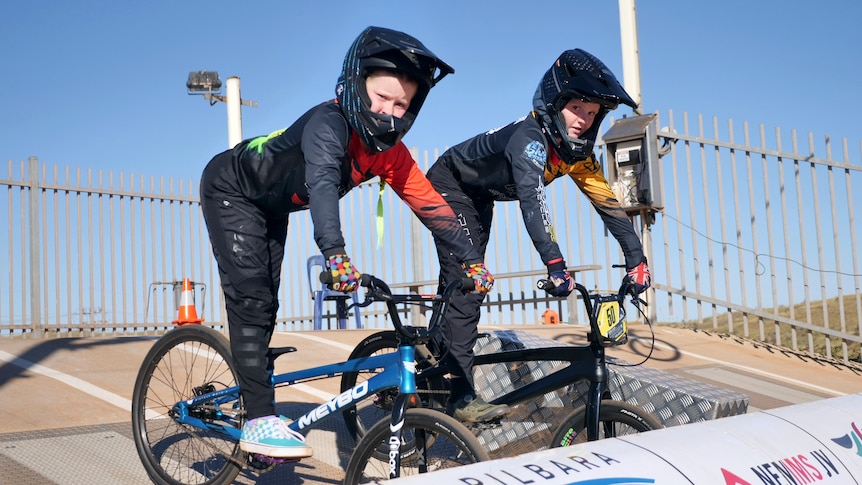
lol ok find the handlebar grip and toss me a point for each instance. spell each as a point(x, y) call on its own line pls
point(627, 289)
point(365, 279)
point(468, 284)
point(546, 284)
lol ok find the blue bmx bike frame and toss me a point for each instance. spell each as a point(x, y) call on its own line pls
point(399, 371)
point(219, 410)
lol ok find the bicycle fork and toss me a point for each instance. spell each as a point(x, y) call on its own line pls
point(598, 387)
point(406, 398)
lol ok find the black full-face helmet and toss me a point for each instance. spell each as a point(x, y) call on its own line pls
point(576, 74)
point(381, 48)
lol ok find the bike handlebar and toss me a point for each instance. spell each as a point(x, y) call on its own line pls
point(379, 291)
point(594, 301)
point(626, 288)
point(373, 282)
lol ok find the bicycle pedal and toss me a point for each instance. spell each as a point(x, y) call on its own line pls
point(263, 463)
point(494, 423)
point(257, 464)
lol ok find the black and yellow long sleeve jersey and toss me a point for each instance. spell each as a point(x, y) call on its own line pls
point(515, 162)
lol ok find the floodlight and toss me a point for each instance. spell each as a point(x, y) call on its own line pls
point(208, 85)
point(201, 82)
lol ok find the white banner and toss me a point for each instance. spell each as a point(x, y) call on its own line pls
point(818, 442)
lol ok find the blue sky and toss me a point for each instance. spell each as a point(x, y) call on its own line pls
point(101, 84)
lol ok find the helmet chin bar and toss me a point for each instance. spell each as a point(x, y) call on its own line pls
point(578, 144)
point(579, 149)
point(383, 124)
point(385, 131)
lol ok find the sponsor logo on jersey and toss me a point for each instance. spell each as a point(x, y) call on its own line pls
point(535, 152)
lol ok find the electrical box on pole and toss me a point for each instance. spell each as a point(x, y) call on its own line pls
point(633, 160)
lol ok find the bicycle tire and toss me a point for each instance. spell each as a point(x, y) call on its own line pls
point(185, 360)
point(616, 418)
point(358, 419)
point(451, 444)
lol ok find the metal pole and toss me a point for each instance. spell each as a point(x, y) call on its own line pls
point(631, 60)
point(234, 112)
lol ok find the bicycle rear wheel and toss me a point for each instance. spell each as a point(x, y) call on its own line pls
point(616, 418)
point(187, 361)
point(432, 391)
point(447, 443)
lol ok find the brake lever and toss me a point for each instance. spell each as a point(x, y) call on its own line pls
point(365, 281)
point(367, 302)
point(636, 299)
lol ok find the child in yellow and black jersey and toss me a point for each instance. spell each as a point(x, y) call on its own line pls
point(515, 163)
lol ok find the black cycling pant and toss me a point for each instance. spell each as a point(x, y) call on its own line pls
point(248, 246)
point(460, 324)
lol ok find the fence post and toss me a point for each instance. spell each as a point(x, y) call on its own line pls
point(35, 267)
point(647, 218)
point(416, 233)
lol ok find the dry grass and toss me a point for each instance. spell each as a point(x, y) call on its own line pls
point(784, 335)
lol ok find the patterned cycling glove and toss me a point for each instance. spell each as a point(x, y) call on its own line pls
point(563, 282)
point(639, 277)
point(345, 276)
point(483, 278)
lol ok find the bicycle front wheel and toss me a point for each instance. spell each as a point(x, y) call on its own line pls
point(433, 392)
point(430, 440)
point(187, 361)
point(616, 418)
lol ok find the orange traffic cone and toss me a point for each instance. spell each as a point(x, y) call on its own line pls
point(187, 313)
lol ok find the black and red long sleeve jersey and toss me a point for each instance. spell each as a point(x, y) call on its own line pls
point(316, 161)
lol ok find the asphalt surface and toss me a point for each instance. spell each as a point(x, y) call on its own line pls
point(66, 401)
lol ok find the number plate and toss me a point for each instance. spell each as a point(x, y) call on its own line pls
point(612, 323)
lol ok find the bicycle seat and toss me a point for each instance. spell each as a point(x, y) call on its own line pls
point(276, 352)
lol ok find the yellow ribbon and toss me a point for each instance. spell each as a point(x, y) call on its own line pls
point(380, 214)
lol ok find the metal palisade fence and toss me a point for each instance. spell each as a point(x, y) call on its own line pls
point(757, 238)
